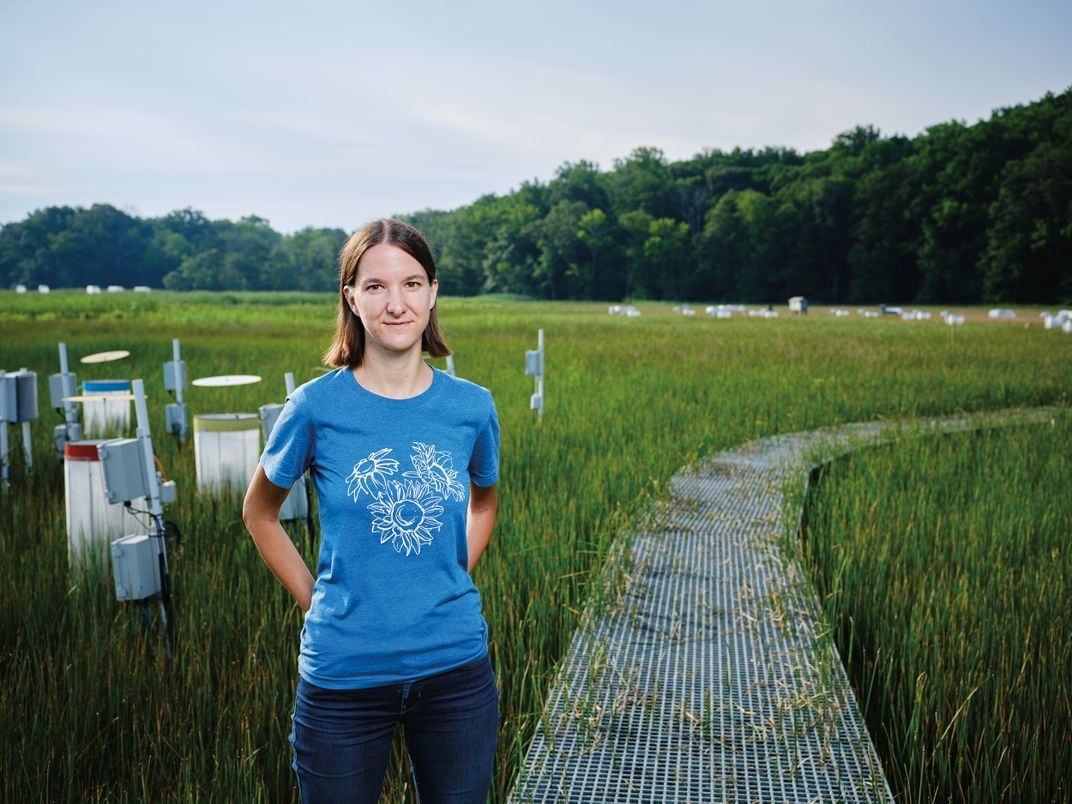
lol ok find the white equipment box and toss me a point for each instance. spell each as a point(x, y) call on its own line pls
point(134, 568)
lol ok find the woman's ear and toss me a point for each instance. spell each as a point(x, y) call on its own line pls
point(435, 293)
point(348, 297)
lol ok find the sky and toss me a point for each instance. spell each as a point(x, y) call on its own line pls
point(329, 113)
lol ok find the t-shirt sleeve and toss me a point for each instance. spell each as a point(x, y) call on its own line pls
point(289, 450)
point(484, 465)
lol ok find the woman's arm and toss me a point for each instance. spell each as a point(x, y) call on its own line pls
point(483, 506)
point(260, 512)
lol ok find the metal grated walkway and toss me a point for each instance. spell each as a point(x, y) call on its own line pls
point(709, 680)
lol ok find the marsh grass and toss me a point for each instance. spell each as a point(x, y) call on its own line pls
point(91, 710)
point(944, 569)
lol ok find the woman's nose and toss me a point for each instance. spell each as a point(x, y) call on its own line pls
point(394, 302)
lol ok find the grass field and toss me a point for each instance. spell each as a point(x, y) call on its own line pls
point(92, 710)
point(944, 566)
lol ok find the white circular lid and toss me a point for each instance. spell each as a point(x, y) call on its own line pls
point(106, 357)
point(226, 379)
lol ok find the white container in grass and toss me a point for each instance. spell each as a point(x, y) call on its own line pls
point(135, 568)
point(92, 522)
point(107, 415)
point(954, 320)
point(227, 447)
point(1000, 312)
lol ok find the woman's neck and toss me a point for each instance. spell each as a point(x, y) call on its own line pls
point(393, 378)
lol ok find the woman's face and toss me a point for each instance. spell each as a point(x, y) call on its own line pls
point(393, 297)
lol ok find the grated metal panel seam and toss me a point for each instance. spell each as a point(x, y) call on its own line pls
point(712, 681)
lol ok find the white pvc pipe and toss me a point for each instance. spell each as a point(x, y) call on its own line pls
point(70, 412)
point(155, 508)
point(5, 470)
point(142, 414)
point(539, 377)
point(179, 381)
point(27, 446)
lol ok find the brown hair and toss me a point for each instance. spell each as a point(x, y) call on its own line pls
point(348, 346)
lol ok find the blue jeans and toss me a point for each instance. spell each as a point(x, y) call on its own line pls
point(342, 738)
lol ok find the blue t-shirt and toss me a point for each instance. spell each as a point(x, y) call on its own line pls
point(393, 600)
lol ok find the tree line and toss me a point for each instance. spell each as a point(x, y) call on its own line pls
point(958, 214)
point(183, 250)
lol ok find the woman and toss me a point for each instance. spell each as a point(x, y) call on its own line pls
point(405, 462)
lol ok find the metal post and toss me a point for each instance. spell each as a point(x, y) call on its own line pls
point(156, 510)
point(5, 469)
point(175, 381)
point(539, 377)
point(142, 433)
point(27, 446)
point(27, 443)
point(178, 362)
point(534, 368)
point(288, 380)
point(70, 412)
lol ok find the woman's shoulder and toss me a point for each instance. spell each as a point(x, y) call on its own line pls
point(318, 389)
point(474, 403)
point(463, 388)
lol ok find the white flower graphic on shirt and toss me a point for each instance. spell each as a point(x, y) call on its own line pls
point(405, 515)
point(435, 469)
point(370, 474)
point(406, 512)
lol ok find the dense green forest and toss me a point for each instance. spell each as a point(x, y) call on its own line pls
point(958, 214)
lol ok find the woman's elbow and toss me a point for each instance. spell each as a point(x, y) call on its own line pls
point(260, 503)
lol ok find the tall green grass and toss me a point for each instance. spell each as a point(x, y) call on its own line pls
point(945, 569)
point(92, 710)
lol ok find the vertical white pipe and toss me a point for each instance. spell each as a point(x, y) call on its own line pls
point(70, 412)
point(288, 379)
point(180, 381)
point(146, 441)
point(539, 377)
point(5, 470)
point(27, 446)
